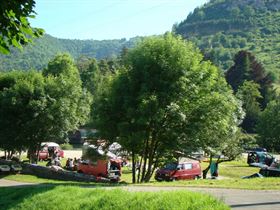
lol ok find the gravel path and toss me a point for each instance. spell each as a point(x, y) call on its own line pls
point(9, 183)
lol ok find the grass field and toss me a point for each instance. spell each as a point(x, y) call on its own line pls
point(230, 177)
point(40, 198)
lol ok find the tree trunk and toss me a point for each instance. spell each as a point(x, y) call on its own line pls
point(9, 155)
point(205, 171)
point(138, 175)
point(145, 154)
point(133, 168)
point(152, 152)
point(155, 165)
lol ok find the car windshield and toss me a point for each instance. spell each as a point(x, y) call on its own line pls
point(171, 166)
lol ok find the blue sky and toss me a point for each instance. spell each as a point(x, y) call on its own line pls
point(110, 19)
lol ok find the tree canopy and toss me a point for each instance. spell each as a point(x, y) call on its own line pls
point(250, 96)
point(36, 107)
point(165, 99)
point(15, 29)
point(269, 126)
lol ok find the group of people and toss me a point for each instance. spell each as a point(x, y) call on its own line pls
point(72, 164)
point(55, 159)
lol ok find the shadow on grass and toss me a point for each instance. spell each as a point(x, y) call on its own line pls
point(12, 196)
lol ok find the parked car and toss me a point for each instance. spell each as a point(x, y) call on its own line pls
point(4, 169)
point(110, 169)
point(259, 158)
point(270, 172)
point(179, 171)
point(47, 151)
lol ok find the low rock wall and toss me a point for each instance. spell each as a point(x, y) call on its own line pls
point(54, 172)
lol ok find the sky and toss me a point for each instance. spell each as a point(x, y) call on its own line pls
point(110, 19)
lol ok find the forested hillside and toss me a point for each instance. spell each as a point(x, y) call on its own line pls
point(221, 28)
point(38, 54)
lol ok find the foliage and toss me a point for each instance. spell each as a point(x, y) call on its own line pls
point(94, 154)
point(37, 198)
point(249, 94)
point(38, 107)
point(166, 99)
point(44, 49)
point(22, 103)
point(220, 34)
point(15, 29)
point(269, 127)
point(246, 67)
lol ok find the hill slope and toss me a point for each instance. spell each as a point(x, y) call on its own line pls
point(38, 54)
point(220, 28)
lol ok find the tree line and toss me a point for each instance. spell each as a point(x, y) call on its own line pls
point(159, 100)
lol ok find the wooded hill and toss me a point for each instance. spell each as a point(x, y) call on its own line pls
point(220, 28)
point(37, 55)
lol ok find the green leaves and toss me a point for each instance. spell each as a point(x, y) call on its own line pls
point(269, 126)
point(15, 29)
point(36, 108)
point(167, 99)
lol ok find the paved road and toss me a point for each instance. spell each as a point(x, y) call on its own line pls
point(236, 199)
point(9, 183)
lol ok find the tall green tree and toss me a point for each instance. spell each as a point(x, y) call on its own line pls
point(269, 126)
point(15, 29)
point(22, 100)
point(72, 102)
point(38, 107)
point(250, 95)
point(165, 99)
point(90, 75)
point(247, 68)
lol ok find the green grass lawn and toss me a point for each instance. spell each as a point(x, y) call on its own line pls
point(230, 173)
point(61, 197)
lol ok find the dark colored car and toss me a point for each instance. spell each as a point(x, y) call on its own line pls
point(260, 157)
point(179, 171)
point(270, 172)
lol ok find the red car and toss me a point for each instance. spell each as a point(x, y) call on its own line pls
point(179, 171)
point(48, 149)
point(110, 169)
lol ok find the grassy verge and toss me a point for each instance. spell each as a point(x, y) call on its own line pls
point(248, 184)
point(81, 198)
